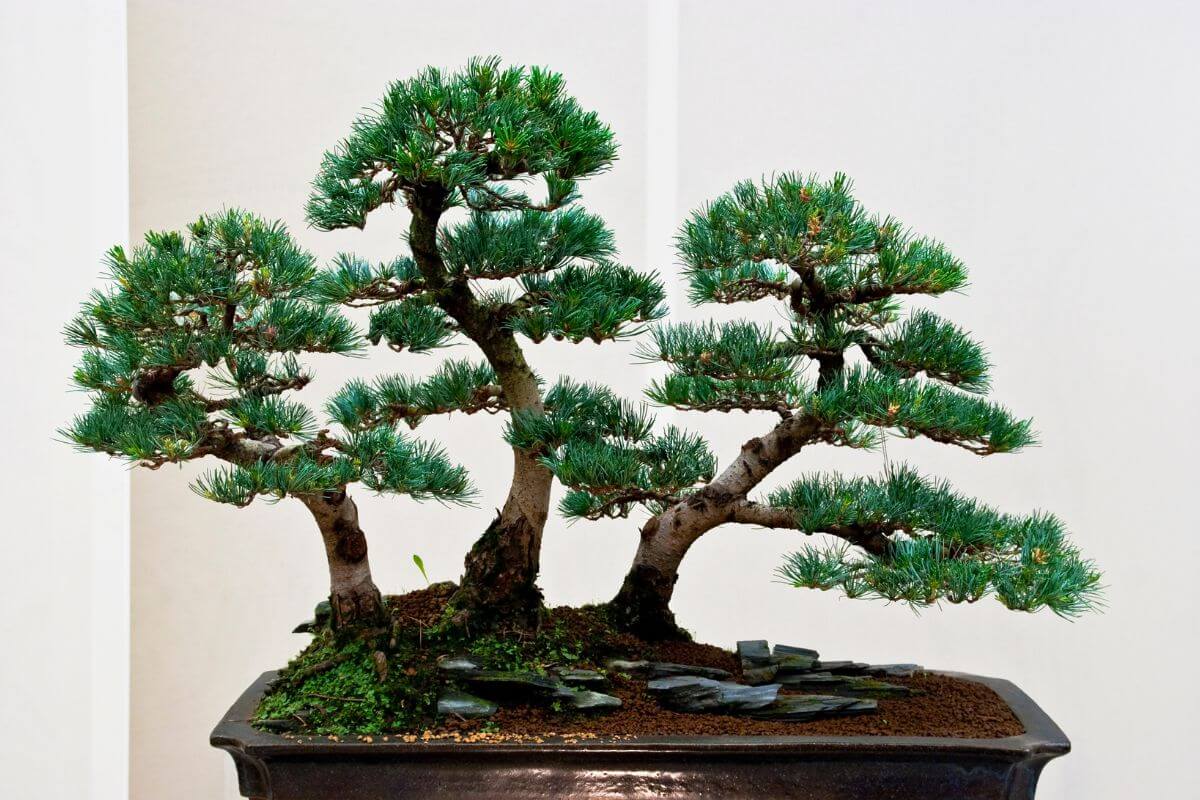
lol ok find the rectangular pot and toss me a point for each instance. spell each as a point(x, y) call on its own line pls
point(759, 767)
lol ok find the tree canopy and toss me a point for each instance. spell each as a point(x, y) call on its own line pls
point(841, 272)
point(192, 350)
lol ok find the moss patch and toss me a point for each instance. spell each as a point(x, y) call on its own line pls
point(386, 681)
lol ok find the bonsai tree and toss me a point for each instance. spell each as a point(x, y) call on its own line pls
point(840, 271)
point(506, 265)
point(192, 352)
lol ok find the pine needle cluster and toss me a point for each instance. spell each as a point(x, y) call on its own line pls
point(541, 268)
point(192, 351)
point(842, 273)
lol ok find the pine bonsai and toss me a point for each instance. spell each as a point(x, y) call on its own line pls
point(192, 352)
point(508, 265)
point(903, 537)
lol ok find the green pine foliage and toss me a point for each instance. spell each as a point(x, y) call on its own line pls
point(459, 385)
point(943, 546)
point(490, 245)
point(191, 352)
point(841, 272)
point(605, 449)
point(539, 267)
point(465, 131)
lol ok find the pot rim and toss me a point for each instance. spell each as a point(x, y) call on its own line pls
point(1042, 737)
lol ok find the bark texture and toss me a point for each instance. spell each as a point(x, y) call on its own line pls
point(642, 606)
point(500, 576)
point(353, 596)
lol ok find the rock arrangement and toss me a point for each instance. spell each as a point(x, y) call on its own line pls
point(566, 687)
point(780, 683)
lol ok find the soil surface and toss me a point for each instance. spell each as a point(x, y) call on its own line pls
point(948, 707)
point(942, 706)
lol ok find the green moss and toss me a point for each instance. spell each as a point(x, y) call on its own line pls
point(554, 645)
point(335, 687)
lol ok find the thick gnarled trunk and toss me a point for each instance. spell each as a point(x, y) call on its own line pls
point(499, 583)
point(353, 596)
point(643, 604)
point(500, 576)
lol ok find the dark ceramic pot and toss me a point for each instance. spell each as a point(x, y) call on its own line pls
point(812, 767)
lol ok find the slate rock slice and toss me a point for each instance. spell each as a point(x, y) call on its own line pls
point(458, 665)
point(788, 650)
point(844, 685)
point(798, 707)
point(802, 680)
point(665, 669)
point(754, 653)
point(587, 700)
point(581, 677)
point(695, 694)
point(686, 693)
point(757, 676)
point(894, 670)
point(512, 686)
point(467, 706)
point(861, 686)
point(791, 660)
point(736, 698)
point(842, 667)
point(308, 626)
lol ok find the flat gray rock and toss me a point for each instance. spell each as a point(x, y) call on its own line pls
point(894, 670)
point(792, 664)
point(817, 679)
point(587, 700)
point(695, 694)
point(512, 686)
point(754, 653)
point(843, 667)
point(665, 669)
point(844, 685)
point(788, 650)
point(468, 706)
point(581, 677)
point(756, 676)
point(798, 707)
point(458, 665)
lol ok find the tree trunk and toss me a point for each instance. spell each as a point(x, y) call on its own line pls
point(353, 596)
point(642, 606)
point(499, 582)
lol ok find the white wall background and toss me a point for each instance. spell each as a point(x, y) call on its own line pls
point(64, 628)
point(1050, 145)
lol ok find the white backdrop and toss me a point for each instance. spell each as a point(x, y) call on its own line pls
point(64, 199)
point(1050, 145)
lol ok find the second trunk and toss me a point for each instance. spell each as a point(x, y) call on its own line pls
point(353, 596)
point(500, 577)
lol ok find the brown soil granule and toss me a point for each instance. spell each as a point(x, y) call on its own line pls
point(945, 707)
point(422, 608)
point(693, 654)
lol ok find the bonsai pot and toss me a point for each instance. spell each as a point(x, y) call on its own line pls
point(273, 767)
